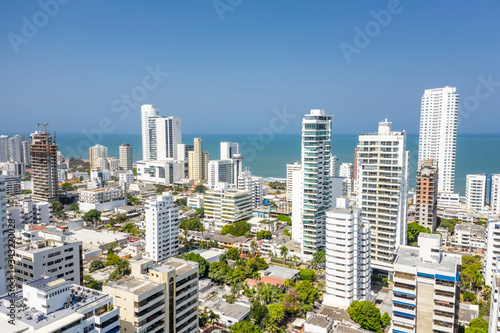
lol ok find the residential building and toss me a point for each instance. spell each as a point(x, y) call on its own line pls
point(383, 163)
point(168, 136)
point(164, 172)
point(297, 205)
point(253, 184)
point(438, 133)
point(494, 324)
point(426, 290)
point(347, 171)
point(334, 166)
point(26, 156)
point(315, 157)
point(198, 162)
point(126, 177)
point(492, 254)
point(195, 201)
point(237, 161)
point(162, 227)
point(183, 155)
point(95, 153)
point(125, 151)
point(469, 237)
point(4, 148)
point(227, 205)
point(113, 164)
point(147, 111)
point(448, 200)
point(219, 171)
point(475, 192)
point(289, 170)
point(50, 304)
point(12, 185)
point(348, 271)
point(231, 314)
point(52, 255)
point(16, 148)
point(4, 238)
point(13, 168)
point(43, 150)
point(228, 150)
point(337, 190)
point(106, 198)
point(495, 194)
point(427, 195)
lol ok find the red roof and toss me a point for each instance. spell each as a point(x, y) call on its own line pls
point(266, 279)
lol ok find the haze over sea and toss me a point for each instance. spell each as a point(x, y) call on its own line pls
point(475, 153)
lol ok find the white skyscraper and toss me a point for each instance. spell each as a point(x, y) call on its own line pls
point(334, 165)
point(475, 192)
point(95, 153)
point(168, 136)
point(347, 171)
point(253, 184)
point(382, 176)
point(438, 133)
point(125, 156)
point(228, 149)
point(348, 271)
point(495, 194)
point(147, 110)
point(4, 148)
point(492, 250)
point(494, 324)
point(162, 227)
point(16, 148)
point(315, 155)
point(289, 170)
point(4, 238)
point(26, 157)
point(219, 171)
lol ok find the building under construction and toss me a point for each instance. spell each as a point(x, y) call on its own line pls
point(43, 151)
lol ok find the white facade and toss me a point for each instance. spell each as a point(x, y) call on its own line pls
point(492, 250)
point(228, 149)
point(4, 238)
point(168, 136)
point(494, 324)
point(160, 172)
point(125, 151)
point(475, 192)
point(126, 177)
point(227, 205)
point(162, 227)
point(438, 133)
point(348, 271)
point(26, 152)
point(337, 189)
point(289, 170)
point(113, 163)
point(253, 184)
point(383, 164)
point(297, 204)
point(315, 158)
point(16, 148)
point(97, 157)
point(334, 166)
point(195, 201)
point(102, 199)
point(451, 200)
point(237, 161)
point(495, 194)
point(347, 170)
point(219, 171)
point(147, 110)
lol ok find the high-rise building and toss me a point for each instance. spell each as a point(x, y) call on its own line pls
point(16, 148)
point(125, 156)
point(4, 238)
point(289, 180)
point(494, 324)
point(253, 184)
point(334, 165)
point(160, 172)
point(315, 155)
point(227, 205)
point(198, 162)
point(162, 227)
point(492, 250)
point(228, 149)
point(4, 148)
point(237, 161)
point(26, 157)
point(347, 171)
point(43, 150)
point(147, 110)
point(383, 191)
point(183, 155)
point(219, 171)
point(475, 192)
point(168, 132)
point(495, 194)
point(348, 272)
point(438, 133)
point(427, 195)
point(426, 290)
point(95, 153)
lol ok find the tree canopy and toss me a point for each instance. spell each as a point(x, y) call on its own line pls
point(191, 224)
point(367, 315)
point(203, 264)
point(200, 189)
point(92, 215)
point(236, 229)
point(478, 325)
point(414, 229)
point(307, 274)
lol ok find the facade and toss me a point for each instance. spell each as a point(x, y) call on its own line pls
point(106, 198)
point(237, 161)
point(253, 184)
point(315, 158)
point(126, 177)
point(49, 304)
point(16, 148)
point(426, 288)
point(195, 201)
point(219, 171)
point(198, 162)
point(469, 237)
point(147, 110)
point(494, 324)
point(26, 157)
point(492, 251)
point(4, 238)
point(228, 149)
point(334, 166)
point(95, 153)
point(113, 163)
point(427, 195)
point(383, 163)
point(125, 156)
point(227, 205)
point(43, 150)
point(164, 172)
point(448, 200)
point(438, 133)
point(51, 255)
point(297, 204)
point(289, 170)
point(475, 192)
point(495, 194)
point(347, 172)
point(348, 271)
point(162, 227)
point(4, 148)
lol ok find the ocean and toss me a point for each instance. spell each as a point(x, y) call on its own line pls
point(267, 157)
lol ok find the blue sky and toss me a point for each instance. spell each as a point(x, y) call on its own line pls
point(227, 76)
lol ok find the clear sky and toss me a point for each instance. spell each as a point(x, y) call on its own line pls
point(231, 62)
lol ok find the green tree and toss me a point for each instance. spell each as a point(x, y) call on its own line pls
point(200, 189)
point(308, 294)
point(307, 274)
point(199, 213)
point(236, 229)
point(230, 298)
point(92, 216)
point(414, 229)
point(478, 325)
point(57, 208)
point(191, 224)
point(276, 316)
point(287, 233)
point(366, 314)
point(95, 265)
point(233, 254)
point(159, 188)
point(27, 192)
point(449, 224)
point(66, 186)
point(469, 297)
point(264, 234)
point(203, 264)
point(74, 206)
point(284, 218)
point(244, 326)
point(258, 312)
point(291, 301)
point(319, 258)
point(385, 320)
point(284, 252)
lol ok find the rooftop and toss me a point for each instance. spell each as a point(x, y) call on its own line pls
point(134, 285)
point(235, 310)
point(92, 237)
point(409, 256)
point(280, 272)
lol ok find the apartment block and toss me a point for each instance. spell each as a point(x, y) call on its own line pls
point(125, 151)
point(219, 171)
point(475, 192)
point(492, 254)
point(98, 155)
point(165, 172)
point(43, 150)
point(495, 194)
point(289, 183)
point(253, 184)
point(106, 198)
point(198, 162)
point(4, 238)
point(427, 195)
point(227, 205)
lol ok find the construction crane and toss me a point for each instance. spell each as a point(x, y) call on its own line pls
point(47, 124)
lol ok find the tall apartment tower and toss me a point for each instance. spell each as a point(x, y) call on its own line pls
point(26, 157)
point(95, 153)
point(16, 148)
point(438, 133)
point(347, 171)
point(383, 191)
point(475, 192)
point(426, 288)
point(219, 171)
point(237, 162)
point(426, 205)
point(147, 110)
point(125, 156)
point(228, 149)
point(495, 194)
point(4, 148)
point(162, 227)
point(315, 156)
point(253, 184)
point(494, 324)
point(334, 165)
point(4, 239)
point(348, 271)
point(289, 170)
point(43, 150)
point(492, 250)
point(198, 162)
point(168, 131)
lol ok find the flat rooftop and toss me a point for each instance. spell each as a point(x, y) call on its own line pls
point(95, 238)
point(133, 285)
point(234, 310)
point(280, 272)
point(410, 256)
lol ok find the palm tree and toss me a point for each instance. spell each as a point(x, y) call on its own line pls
point(270, 253)
point(284, 252)
point(253, 246)
point(213, 318)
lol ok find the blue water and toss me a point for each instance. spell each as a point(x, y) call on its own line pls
point(475, 153)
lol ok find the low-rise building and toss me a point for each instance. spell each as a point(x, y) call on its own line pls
point(195, 201)
point(102, 199)
point(469, 237)
point(450, 200)
point(231, 314)
point(160, 172)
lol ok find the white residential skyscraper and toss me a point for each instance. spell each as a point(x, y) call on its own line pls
point(4, 238)
point(16, 148)
point(290, 168)
point(475, 192)
point(147, 110)
point(253, 184)
point(219, 171)
point(168, 135)
point(95, 153)
point(125, 156)
point(228, 149)
point(348, 271)
point(315, 193)
point(492, 250)
point(382, 176)
point(438, 133)
point(495, 194)
point(334, 166)
point(162, 227)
